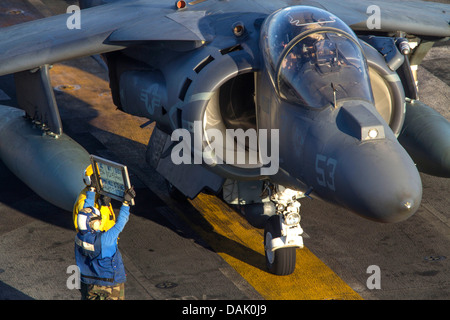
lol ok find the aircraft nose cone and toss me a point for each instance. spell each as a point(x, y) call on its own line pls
point(379, 181)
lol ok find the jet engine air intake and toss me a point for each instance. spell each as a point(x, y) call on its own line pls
point(221, 96)
point(231, 108)
point(214, 94)
point(387, 89)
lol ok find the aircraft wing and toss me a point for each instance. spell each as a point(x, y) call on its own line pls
point(422, 18)
point(113, 26)
point(104, 28)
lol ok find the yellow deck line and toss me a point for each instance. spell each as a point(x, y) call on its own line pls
point(241, 246)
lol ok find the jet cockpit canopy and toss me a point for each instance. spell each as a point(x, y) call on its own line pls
point(313, 58)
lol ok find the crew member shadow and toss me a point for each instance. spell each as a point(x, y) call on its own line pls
point(183, 218)
point(9, 293)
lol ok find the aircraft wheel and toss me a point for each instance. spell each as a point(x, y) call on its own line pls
point(281, 261)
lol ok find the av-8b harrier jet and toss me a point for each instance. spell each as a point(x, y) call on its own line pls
point(261, 102)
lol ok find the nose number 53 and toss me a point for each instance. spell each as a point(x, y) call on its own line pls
point(325, 169)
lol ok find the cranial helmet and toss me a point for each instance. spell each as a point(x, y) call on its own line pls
point(87, 218)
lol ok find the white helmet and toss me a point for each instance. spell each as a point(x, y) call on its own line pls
point(87, 218)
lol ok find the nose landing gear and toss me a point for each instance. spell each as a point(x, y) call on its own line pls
point(282, 233)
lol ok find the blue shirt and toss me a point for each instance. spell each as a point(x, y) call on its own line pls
point(97, 254)
point(109, 238)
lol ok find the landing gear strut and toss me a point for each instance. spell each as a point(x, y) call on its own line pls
point(282, 233)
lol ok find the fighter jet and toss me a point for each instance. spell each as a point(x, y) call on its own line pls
point(260, 102)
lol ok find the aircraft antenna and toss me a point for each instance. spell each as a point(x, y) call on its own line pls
point(334, 94)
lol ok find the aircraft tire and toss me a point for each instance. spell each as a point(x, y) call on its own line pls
point(281, 261)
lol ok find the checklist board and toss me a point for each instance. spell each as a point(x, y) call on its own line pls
point(111, 177)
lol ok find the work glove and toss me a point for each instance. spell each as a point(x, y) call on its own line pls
point(129, 194)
